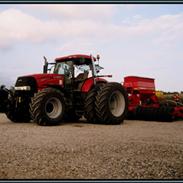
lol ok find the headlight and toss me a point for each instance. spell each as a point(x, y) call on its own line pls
point(27, 88)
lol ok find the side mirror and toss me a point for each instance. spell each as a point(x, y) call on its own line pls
point(98, 68)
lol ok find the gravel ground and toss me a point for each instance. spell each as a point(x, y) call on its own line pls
point(133, 150)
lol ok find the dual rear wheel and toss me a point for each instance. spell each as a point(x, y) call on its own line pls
point(106, 104)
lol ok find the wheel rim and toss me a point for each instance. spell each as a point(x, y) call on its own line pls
point(117, 103)
point(53, 108)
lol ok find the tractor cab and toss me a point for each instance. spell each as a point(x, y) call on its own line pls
point(75, 69)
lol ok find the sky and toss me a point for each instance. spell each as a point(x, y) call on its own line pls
point(132, 40)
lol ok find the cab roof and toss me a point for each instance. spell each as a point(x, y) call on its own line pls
point(76, 57)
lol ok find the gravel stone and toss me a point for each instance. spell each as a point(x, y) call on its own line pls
point(132, 150)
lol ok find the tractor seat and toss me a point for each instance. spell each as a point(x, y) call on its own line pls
point(80, 78)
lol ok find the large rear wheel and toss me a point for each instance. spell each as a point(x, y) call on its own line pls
point(48, 107)
point(111, 103)
point(90, 109)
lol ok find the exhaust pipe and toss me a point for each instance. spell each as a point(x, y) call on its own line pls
point(45, 67)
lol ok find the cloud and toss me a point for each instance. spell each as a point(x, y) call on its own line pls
point(97, 12)
point(17, 26)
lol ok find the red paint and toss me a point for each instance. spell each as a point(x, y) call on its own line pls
point(69, 57)
point(142, 84)
point(46, 80)
point(134, 99)
point(178, 112)
point(141, 91)
point(88, 84)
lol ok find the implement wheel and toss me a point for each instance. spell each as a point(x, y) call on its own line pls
point(48, 107)
point(165, 113)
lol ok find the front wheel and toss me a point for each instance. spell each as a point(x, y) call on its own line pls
point(17, 113)
point(18, 116)
point(48, 107)
point(111, 103)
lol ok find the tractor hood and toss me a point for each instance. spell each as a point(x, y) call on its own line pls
point(45, 80)
point(46, 76)
point(40, 80)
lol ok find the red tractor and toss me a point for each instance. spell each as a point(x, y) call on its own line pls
point(145, 105)
point(68, 89)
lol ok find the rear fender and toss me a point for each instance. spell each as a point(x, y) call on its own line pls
point(89, 83)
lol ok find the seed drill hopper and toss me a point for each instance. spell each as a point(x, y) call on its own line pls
point(144, 104)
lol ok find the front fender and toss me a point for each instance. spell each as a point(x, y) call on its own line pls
point(89, 83)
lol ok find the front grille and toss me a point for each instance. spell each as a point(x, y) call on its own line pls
point(27, 81)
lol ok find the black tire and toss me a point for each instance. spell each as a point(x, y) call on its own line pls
point(167, 103)
point(145, 113)
point(166, 114)
point(130, 115)
point(156, 114)
point(3, 99)
point(150, 114)
point(161, 113)
point(111, 103)
point(169, 117)
point(48, 107)
point(90, 109)
point(138, 113)
point(17, 114)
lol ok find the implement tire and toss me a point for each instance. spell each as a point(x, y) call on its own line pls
point(138, 111)
point(48, 107)
point(165, 113)
point(169, 117)
point(111, 103)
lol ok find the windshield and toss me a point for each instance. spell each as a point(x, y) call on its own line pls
point(64, 68)
point(82, 69)
point(69, 69)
